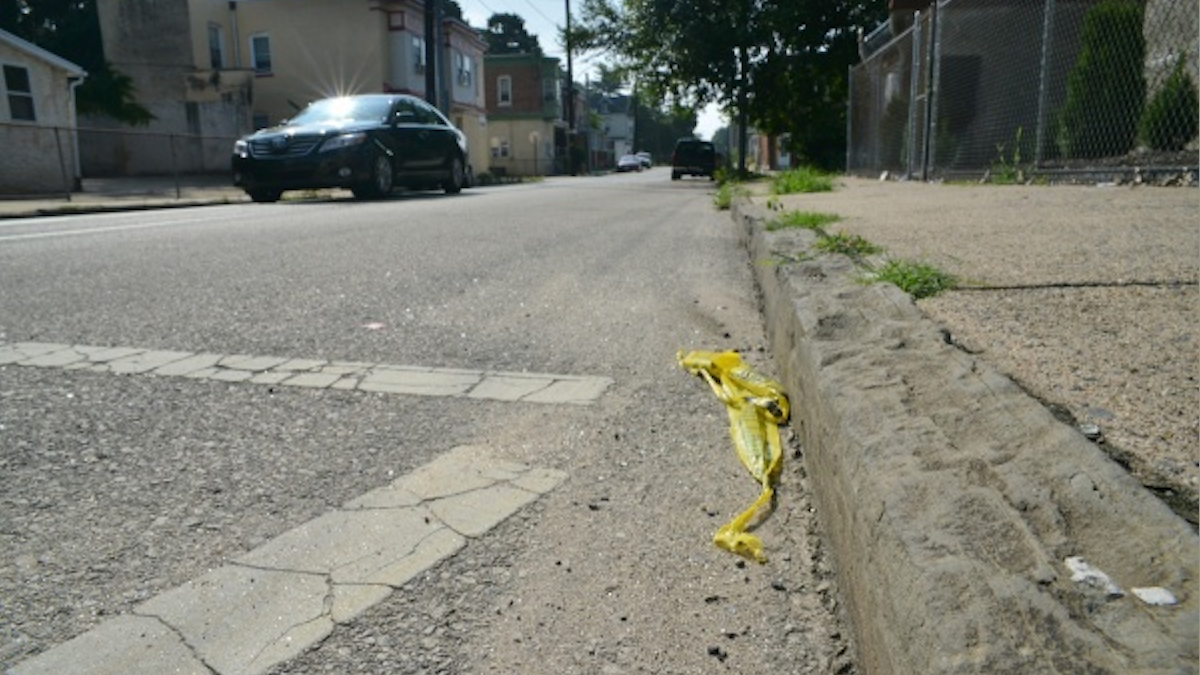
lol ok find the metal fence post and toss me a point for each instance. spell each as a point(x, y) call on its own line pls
point(931, 89)
point(849, 115)
point(174, 165)
point(1047, 28)
point(914, 77)
point(62, 164)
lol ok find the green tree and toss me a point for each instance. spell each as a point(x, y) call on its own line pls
point(506, 34)
point(801, 86)
point(1106, 90)
point(609, 81)
point(658, 129)
point(71, 29)
point(779, 65)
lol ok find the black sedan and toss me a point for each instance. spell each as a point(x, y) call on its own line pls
point(369, 143)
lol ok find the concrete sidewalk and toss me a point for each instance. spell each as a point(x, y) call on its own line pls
point(125, 194)
point(973, 530)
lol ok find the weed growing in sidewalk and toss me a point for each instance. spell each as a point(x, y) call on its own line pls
point(807, 220)
point(920, 280)
point(852, 245)
point(804, 179)
point(727, 193)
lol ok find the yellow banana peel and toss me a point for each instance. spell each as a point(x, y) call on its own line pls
point(756, 406)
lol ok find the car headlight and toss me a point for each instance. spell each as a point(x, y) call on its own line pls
point(241, 148)
point(344, 141)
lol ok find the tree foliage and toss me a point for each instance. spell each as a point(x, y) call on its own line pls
point(506, 34)
point(71, 29)
point(657, 130)
point(780, 65)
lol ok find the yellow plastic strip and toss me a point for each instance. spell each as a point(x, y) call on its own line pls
point(756, 406)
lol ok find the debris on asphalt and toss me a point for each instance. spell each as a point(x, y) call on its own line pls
point(756, 406)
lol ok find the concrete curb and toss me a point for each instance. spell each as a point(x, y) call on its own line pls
point(972, 531)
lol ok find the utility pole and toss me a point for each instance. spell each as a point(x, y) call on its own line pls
point(570, 102)
point(431, 53)
point(570, 75)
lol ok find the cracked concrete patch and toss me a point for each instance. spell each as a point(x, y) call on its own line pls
point(286, 595)
point(310, 373)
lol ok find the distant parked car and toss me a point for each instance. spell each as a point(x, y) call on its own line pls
point(369, 144)
point(693, 157)
point(629, 163)
point(647, 161)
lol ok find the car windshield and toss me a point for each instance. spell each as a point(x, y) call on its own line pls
point(343, 109)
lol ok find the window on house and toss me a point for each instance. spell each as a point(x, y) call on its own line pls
point(463, 68)
point(191, 111)
point(20, 93)
point(418, 55)
point(216, 47)
point(504, 90)
point(550, 89)
point(500, 148)
point(260, 53)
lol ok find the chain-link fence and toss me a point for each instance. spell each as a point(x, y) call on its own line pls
point(1012, 88)
point(54, 160)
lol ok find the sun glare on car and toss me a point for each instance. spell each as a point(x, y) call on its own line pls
point(341, 108)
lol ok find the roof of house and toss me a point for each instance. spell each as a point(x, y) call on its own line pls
point(39, 53)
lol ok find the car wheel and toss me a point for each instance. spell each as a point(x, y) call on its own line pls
point(456, 177)
point(381, 182)
point(264, 196)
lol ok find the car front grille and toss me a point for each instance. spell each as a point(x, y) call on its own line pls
point(289, 146)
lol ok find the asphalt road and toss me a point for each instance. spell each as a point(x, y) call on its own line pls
point(119, 487)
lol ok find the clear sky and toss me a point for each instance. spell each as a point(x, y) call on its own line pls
point(544, 18)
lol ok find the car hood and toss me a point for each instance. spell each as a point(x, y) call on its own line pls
point(326, 128)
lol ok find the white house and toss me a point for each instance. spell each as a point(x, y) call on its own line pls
point(37, 119)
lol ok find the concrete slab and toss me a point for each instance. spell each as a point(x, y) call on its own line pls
point(22, 351)
point(312, 380)
point(55, 359)
point(144, 362)
point(571, 390)
point(474, 513)
point(421, 383)
point(243, 620)
point(253, 363)
point(188, 365)
point(508, 387)
point(279, 599)
point(125, 645)
point(310, 373)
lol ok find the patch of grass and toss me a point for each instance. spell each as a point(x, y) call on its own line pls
point(808, 220)
point(727, 193)
point(728, 174)
point(801, 180)
point(849, 244)
point(920, 280)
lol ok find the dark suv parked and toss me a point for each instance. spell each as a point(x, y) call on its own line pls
point(693, 157)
